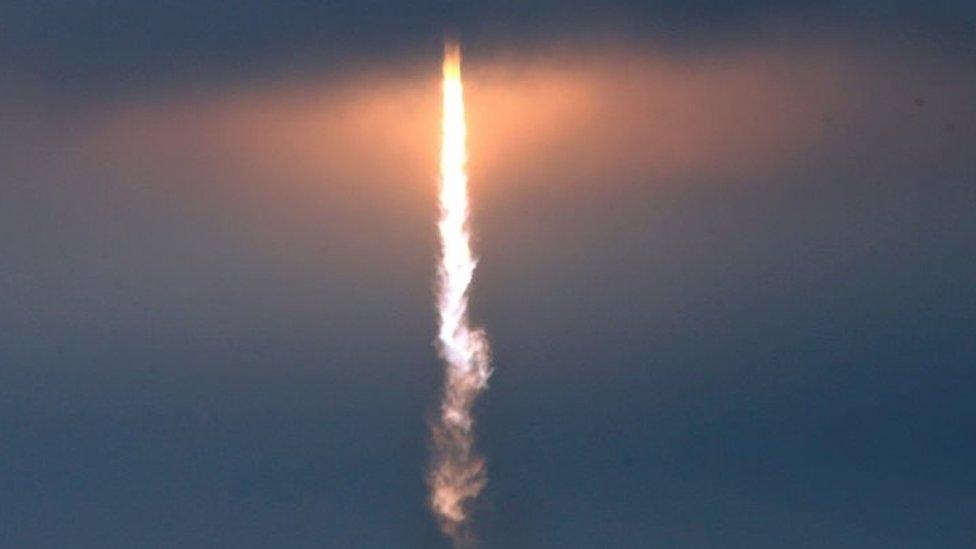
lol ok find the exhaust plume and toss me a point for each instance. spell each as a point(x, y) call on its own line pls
point(457, 473)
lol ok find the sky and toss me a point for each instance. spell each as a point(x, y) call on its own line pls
point(726, 268)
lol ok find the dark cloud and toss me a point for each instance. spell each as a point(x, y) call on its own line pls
point(113, 44)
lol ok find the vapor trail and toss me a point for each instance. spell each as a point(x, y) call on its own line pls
point(457, 473)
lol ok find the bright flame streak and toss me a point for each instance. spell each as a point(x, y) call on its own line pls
point(457, 474)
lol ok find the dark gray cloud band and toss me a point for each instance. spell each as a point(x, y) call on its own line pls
point(97, 46)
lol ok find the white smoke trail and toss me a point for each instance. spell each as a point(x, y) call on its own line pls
point(457, 473)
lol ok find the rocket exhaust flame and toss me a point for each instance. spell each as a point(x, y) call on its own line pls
point(457, 473)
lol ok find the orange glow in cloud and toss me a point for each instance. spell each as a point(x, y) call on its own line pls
point(562, 118)
point(349, 155)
